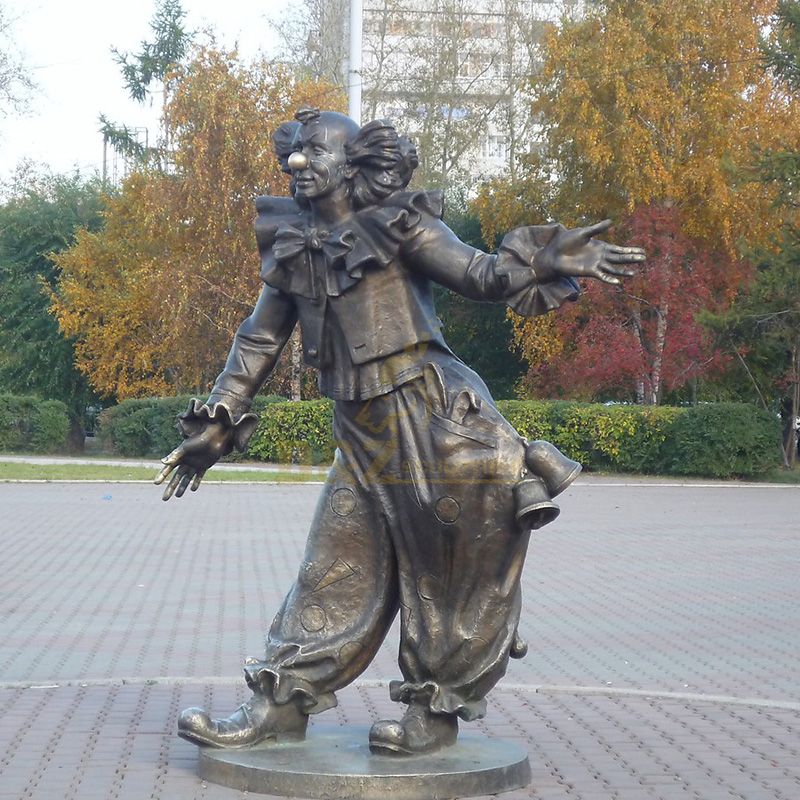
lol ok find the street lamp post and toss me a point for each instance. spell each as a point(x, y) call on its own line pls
point(354, 79)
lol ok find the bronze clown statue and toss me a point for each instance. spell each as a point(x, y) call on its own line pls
point(432, 495)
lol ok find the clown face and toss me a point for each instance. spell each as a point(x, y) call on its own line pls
point(319, 163)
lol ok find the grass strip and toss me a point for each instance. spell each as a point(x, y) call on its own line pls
point(780, 475)
point(12, 470)
point(15, 470)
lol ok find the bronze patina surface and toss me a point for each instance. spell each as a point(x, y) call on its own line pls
point(336, 762)
point(432, 497)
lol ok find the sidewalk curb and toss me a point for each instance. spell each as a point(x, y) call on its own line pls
point(585, 484)
point(378, 683)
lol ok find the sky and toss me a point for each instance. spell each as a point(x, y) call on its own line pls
point(67, 46)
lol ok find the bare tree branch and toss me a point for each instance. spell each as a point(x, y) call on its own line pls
point(16, 83)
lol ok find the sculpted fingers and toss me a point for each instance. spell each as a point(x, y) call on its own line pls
point(633, 257)
point(606, 277)
point(627, 273)
point(634, 251)
point(613, 255)
point(183, 478)
point(169, 461)
point(592, 230)
point(197, 478)
point(578, 254)
point(164, 473)
point(172, 485)
point(184, 482)
point(176, 481)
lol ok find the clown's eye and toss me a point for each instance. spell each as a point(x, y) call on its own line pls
point(319, 151)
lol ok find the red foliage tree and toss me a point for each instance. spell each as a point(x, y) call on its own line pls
point(643, 337)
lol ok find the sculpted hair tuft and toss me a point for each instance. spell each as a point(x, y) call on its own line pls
point(307, 114)
point(385, 162)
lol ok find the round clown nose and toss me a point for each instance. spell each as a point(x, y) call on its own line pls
point(297, 161)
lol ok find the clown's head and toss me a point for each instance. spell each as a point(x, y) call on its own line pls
point(325, 150)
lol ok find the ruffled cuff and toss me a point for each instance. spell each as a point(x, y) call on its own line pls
point(530, 291)
point(440, 699)
point(194, 420)
point(265, 679)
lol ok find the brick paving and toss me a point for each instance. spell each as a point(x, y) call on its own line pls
point(118, 610)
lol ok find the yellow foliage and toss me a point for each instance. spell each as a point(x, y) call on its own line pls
point(154, 299)
point(503, 204)
point(537, 338)
point(662, 101)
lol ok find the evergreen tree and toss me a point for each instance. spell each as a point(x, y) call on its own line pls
point(763, 326)
point(480, 334)
point(156, 61)
point(41, 217)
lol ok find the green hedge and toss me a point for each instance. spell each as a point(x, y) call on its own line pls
point(720, 440)
point(295, 433)
point(617, 438)
point(724, 439)
point(30, 424)
point(716, 440)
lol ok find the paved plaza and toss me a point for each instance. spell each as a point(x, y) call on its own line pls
point(663, 621)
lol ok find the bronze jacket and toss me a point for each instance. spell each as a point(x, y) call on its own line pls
point(362, 293)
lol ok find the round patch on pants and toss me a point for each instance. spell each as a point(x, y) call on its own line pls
point(313, 618)
point(447, 509)
point(343, 502)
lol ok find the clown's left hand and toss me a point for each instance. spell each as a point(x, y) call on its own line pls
point(574, 253)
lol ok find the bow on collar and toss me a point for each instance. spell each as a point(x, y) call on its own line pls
point(289, 242)
point(293, 249)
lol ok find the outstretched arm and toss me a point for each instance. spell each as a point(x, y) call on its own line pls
point(436, 252)
point(533, 270)
point(212, 429)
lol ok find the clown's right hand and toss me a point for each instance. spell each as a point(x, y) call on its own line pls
point(188, 462)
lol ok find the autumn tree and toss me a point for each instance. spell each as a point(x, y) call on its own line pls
point(40, 217)
point(642, 338)
point(656, 102)
point(651, 104)
point(154, 299)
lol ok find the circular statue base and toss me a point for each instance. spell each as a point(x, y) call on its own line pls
point(337, 763)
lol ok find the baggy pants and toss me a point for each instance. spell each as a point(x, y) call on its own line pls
point(417, 516)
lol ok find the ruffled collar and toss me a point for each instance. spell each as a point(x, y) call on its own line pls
point(301, 259)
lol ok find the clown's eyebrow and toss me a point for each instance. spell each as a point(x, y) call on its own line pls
point(316, 137)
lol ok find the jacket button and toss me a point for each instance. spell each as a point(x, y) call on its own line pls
point(312, 352)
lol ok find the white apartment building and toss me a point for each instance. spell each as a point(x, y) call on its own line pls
point(452, 74)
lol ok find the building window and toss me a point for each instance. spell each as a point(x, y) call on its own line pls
point(480, 63)
point(496, 148)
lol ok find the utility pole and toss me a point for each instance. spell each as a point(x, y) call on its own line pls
point(105, 160)
point(354, 79)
